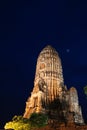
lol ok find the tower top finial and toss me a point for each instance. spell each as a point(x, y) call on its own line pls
point(49, 49)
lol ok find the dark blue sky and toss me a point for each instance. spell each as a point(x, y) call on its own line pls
point(25, 28)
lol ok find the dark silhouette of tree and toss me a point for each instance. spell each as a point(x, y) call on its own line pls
point(85, 90)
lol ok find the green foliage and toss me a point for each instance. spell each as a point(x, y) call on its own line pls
point(20, 123)
point(85, 90)
point(17, 126)
point(38, 119)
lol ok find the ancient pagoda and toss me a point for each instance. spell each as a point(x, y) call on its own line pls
point(49, 94)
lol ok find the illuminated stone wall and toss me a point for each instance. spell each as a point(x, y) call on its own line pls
point(49, 72)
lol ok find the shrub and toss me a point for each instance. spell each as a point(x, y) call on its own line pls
point(36, 120)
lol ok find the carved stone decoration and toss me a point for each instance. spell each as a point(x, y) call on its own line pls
point(49, 94)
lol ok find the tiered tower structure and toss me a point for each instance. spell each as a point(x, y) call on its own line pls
point(49, 94)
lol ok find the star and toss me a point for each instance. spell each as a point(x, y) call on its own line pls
point(67, 50)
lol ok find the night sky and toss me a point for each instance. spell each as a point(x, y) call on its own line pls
point(26, 27)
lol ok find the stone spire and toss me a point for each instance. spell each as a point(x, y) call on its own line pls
point(49, 94)
point(74, 106)
point(49, 69)
point(48, 81)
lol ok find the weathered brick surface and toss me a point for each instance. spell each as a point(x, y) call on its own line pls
point(73, 127)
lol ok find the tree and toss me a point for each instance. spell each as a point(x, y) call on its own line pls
point(85, 90)
point(36, 120)
point(18, 123)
